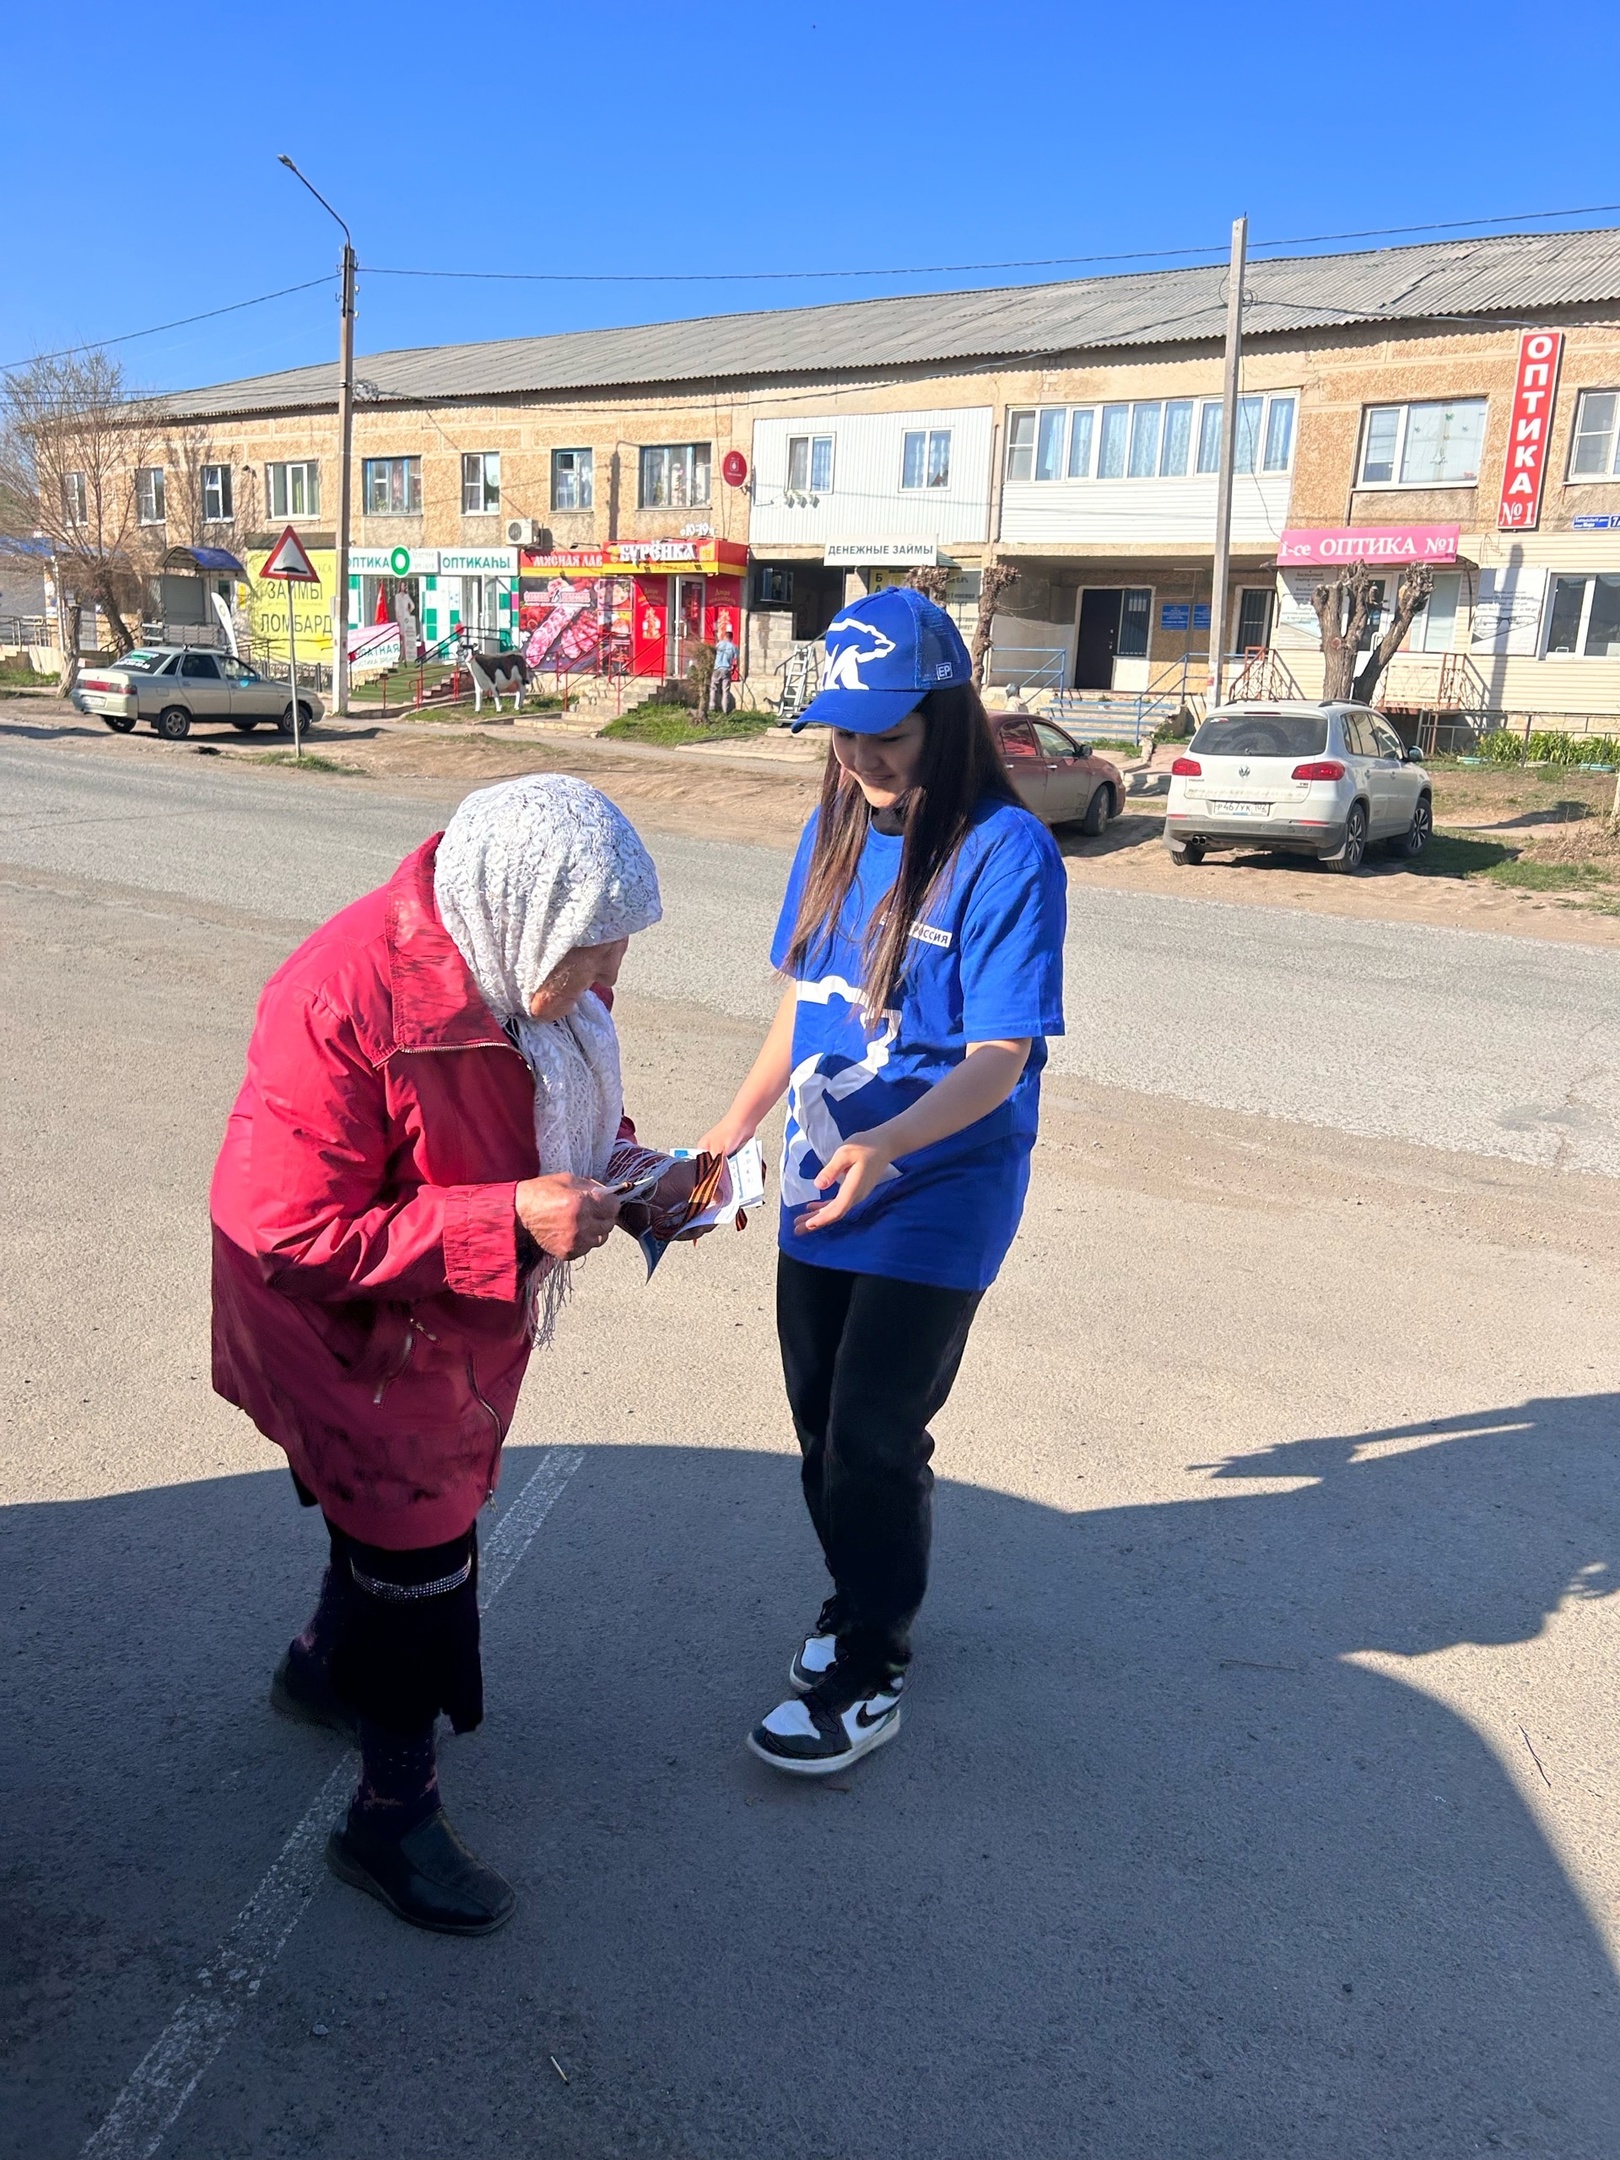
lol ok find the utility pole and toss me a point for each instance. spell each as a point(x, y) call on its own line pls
point(1223, 484)
point(345, 504)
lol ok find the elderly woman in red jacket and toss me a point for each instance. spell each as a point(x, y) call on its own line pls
point(431, 1116)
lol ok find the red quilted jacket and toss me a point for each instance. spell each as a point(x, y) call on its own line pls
point(368, 1314)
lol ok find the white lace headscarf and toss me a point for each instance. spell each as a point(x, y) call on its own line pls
point(526, 872)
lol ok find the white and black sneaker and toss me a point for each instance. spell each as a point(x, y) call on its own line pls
point(843, 1717)
point(813, 1660)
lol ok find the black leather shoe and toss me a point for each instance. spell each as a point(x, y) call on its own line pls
point(427, 1877)
point(302, 1689)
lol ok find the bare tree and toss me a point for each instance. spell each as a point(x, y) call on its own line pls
point(72, 439)
point(1343, 609)
point(994, 579)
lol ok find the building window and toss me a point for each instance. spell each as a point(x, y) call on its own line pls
point(1111, 439)
point(392, 487)
point(1082, 427)
point(675, 476)
point(293, 491)
point(1210, 423)
point(149, 495)
point(1153, 439)
point(218, 506)
point(1254, 618)
point(810, 464)
point(1177, 438)
point(1135, 617)
point(1585, 617)
point(1595, 449)
point(75, 499)
point(1435, 629)
point(773, 585)
point(1434, 445)
point(925, 458)
point(571, 480)
point(480, 483)
point(1279, 435)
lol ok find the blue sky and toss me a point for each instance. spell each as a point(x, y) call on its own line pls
point(141, 181)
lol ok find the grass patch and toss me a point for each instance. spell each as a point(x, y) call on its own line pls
point(15, 676)
point(311, 761)
point(671, 726)
point(1553, 877)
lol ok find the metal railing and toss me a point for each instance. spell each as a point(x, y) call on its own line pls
point(25, 630)
point(1029, 667)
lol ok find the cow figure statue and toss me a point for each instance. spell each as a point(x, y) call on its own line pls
point(495, 672)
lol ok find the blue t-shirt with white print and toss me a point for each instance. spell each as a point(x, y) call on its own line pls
point(985, 965)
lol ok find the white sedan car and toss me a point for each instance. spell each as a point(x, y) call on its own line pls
point(1322, 780)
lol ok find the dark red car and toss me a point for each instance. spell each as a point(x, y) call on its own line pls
point(1062, 780)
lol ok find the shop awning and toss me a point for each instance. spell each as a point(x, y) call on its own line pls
point(209, 561)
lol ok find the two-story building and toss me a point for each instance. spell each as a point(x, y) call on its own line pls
point(608, 497)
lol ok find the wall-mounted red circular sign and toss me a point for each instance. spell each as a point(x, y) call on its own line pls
point(734, 468)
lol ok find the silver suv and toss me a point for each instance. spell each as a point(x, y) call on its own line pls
point(173, 685)
point(1323, 780)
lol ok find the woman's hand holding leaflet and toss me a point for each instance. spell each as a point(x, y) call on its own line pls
point(566, 1216)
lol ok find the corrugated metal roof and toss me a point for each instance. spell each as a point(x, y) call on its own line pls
point(1515, 273)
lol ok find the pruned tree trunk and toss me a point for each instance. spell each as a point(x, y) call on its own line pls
point(1343, 608)
point(1411, 598)
point(934, 579)
point(994, 580)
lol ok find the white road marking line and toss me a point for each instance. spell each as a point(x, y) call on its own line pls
point(169, 2072)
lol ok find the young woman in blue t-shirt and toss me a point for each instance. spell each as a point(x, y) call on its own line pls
point(923, 929)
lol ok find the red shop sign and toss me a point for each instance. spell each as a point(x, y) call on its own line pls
point(1534, 387)
point(734, 468)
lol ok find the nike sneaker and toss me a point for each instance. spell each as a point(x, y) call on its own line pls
point(843, 1717)
point(814, 1660)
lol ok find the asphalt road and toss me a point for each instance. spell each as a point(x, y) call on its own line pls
point(1259, 1789)
point(1447, 1038)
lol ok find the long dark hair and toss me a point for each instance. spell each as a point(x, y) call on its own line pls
point(959, 769)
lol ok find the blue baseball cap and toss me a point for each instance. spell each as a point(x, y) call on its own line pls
point(884, 654)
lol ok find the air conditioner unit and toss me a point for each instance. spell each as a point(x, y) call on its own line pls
point(525, 532)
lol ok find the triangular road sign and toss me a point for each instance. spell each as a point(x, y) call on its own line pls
point(288, 559)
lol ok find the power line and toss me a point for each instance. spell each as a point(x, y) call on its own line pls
point(1031, 262)
point(127, 336)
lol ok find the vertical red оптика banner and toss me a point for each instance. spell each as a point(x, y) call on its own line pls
point(1524, 473)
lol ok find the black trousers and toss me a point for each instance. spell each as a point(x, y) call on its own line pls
point(868, 1360)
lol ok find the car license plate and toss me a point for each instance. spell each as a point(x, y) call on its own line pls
point(1241, 809)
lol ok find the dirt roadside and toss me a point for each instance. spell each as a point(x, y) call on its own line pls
point(762, 795)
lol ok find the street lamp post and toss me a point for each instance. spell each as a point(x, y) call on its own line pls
point(340, 597)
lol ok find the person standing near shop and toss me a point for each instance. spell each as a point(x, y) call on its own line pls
point(725, 668)
point(923, 930)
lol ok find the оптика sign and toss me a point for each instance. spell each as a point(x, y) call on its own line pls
point(1370, 544)
point(1524, 473)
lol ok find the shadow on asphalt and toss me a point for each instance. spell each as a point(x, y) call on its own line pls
point(1153, 1871)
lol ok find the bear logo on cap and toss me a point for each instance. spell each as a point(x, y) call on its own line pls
point(844, 665)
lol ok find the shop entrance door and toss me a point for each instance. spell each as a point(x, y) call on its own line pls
point(1098, 640)
point(686, 629)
